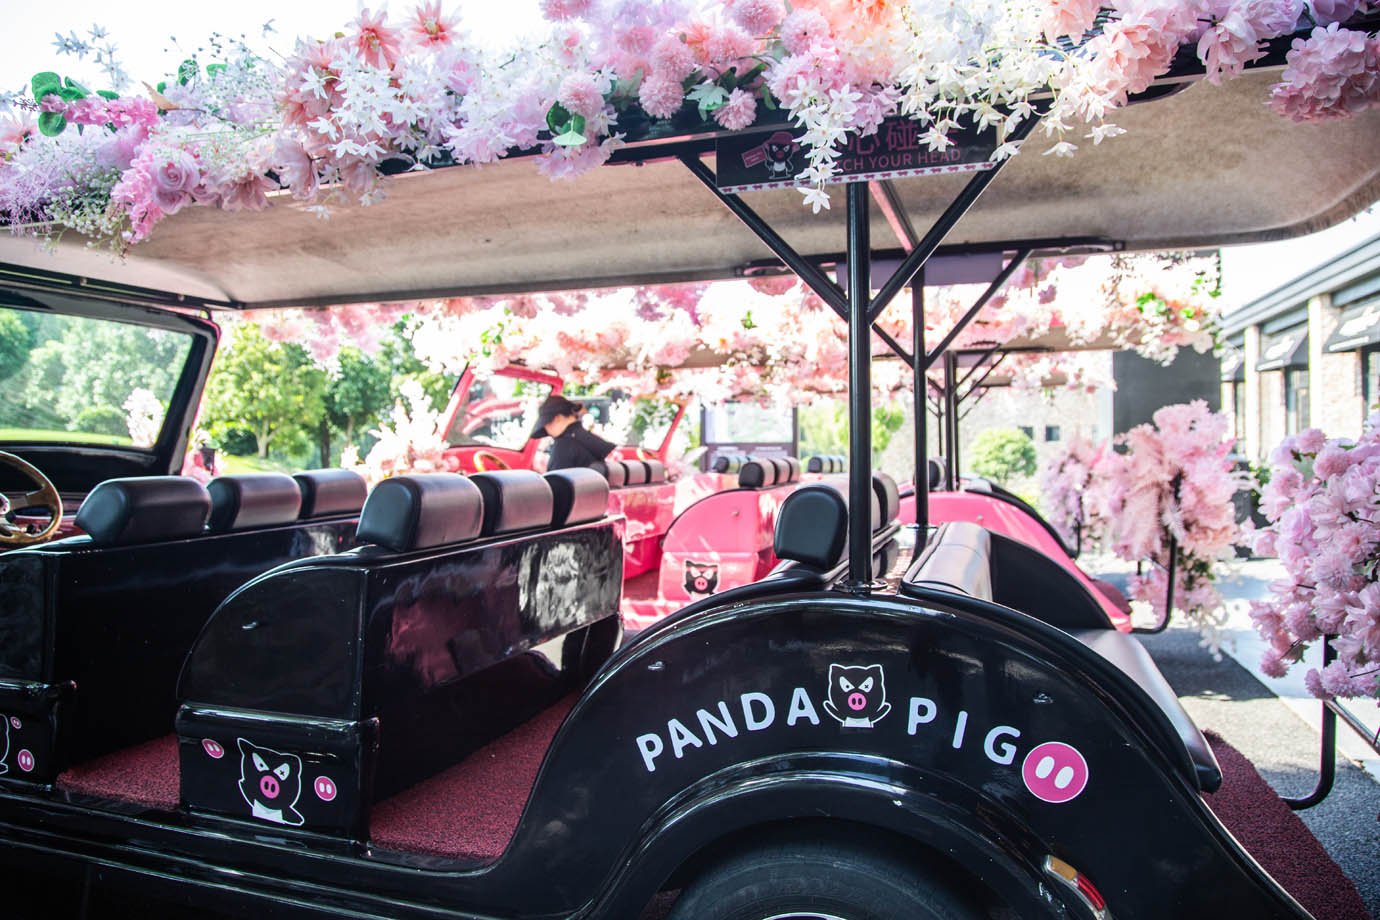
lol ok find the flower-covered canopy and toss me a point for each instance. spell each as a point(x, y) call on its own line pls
point(385, 94)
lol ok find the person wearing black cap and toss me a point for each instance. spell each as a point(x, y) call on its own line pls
point(571, 445)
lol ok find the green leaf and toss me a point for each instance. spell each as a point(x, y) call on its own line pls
point(162, 87)
point(45, 84)
point(107, 94)
point(557, 118)
point(570, 138)
point(51, 124)
point(768, 99)
point(72, 86)
point(213, 69)
point(187, 71)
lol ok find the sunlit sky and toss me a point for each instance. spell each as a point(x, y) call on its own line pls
point(153, 37)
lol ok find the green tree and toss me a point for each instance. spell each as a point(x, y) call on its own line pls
point(16, 338)
point(397, 355)
point(270, 389)
point(1000, 453)
point(357, 394)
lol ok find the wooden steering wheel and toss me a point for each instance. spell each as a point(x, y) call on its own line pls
point(45, 496)
point(485, 460)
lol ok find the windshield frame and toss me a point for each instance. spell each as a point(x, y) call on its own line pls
point(76, 466)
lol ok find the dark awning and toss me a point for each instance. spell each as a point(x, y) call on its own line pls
point(1233, 364)
point(1360, 326)
point(1287, 349)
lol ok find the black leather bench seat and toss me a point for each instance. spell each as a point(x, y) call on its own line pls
point(959, 559)
point(1126, 652)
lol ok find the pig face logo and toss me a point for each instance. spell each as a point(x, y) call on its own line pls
point(701, 577)
point(270, 783)
point(857, 695)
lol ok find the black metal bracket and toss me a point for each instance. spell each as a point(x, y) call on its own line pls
point(1171, 569)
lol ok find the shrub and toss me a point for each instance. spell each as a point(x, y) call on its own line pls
point(1000, 453)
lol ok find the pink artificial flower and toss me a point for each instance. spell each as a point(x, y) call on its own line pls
point(15, 132)
point(1326, 12)
point(430, 27)
point(635, 40)
point(248, 192)
point(660, 98)
point(738, 112)
point(1228, 45)
point(801, 29)
point(377, 43)
point(671, 59)
point(582, 94)
point(556, 10)
point(1334, 73)
point(134, 194)
point(1069, 17)
point(758, 17)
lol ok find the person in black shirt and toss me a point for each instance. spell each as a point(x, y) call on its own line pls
point(571, 445)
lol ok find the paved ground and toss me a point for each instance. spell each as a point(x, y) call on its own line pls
point(1275, 727)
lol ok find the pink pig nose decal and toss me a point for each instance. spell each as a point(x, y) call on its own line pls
point(1055, 772)
point(856, 701)
point(269, 787)
point(701, 584)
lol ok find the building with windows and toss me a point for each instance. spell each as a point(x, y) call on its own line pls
point(1305, 355)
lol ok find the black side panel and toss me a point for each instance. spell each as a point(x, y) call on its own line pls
point(462, 648)
point(22, 615)
point(287, 642)
point(1026, 580)
point(125, 618)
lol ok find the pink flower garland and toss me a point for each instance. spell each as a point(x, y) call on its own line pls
point(1323, 504)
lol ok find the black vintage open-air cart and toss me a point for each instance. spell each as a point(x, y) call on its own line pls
point(442, 722)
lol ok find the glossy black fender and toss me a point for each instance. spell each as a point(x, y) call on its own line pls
point(718, 704)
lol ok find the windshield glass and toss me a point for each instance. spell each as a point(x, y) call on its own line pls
point(75, 379)
point(735, 423)
point(498, 412)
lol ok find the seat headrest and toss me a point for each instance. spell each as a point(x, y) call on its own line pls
point(656, 471)
point(636, 472)
point(330, 492)
point(888, 496)
point(577, 495)
point(614, 471)
point(812, 527)
point(421, 510)
point(826, 463)
point(252, 500)
point(794, 465)
point(145, 509)
point(757, 474)
point(514, 500)
point(729, 463)
point(936, 473)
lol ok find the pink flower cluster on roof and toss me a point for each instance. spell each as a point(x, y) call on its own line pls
point(1323, 504)
point(323, 122)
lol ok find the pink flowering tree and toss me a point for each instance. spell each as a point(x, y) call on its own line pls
point(1166, 494)
point(1064, 485)
point(1323, 505)
point(325, 121)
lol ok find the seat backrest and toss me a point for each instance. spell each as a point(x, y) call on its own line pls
point(245, 500)
point(152, 509)
point(938, 479)
point(812, 527)
point(514, 500)
point(329, 493)
point(957, 558)
point(421, 511)
point(577, 495)
point(888, 496)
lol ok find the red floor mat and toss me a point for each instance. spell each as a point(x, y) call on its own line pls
point(471, 810)
point(1279, 841)
point(146, 774)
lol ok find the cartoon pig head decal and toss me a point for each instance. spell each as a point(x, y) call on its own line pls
point(857, 695)
point(270, 783)
point(701, 577)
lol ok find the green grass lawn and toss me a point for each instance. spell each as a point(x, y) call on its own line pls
point(230, 463)
point(47, 435)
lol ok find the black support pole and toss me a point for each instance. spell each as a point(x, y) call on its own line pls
point(859, 392)
point(922, 426)
point(951, 418)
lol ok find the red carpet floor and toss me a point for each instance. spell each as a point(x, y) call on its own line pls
point(471, 810)
point(146, 774)
point(1279, 841)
